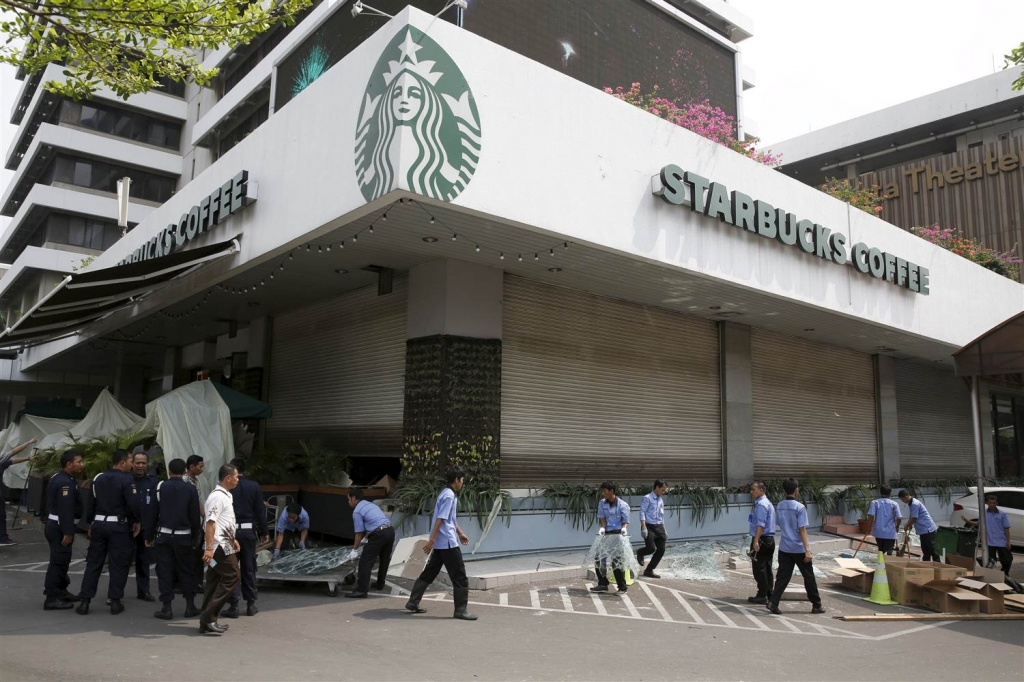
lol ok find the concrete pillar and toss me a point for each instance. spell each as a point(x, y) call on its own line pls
point(737, 404)
point(259, 342)
point(130, 387)
point(886, 418)
point(172, 360)
point(453, 370)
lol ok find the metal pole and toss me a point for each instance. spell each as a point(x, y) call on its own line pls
point(976, 414)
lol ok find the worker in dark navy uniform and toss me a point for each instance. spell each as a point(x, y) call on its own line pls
point(145, 487)
point(113, 525)
point(370, 522)
point(251, 517)
point(170, 528)
point(65, 508)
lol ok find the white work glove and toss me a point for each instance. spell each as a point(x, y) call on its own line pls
point(277, 553)
point(302, 545)
point(354, 554)
point(600, 532)
point(625, 534)
point(364, 541)
point(643, 533)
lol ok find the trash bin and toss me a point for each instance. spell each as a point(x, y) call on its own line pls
point(959, 541)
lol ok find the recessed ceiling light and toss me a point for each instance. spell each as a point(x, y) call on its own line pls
point(554, 269)
point(341, 271)
point(809, 329)
point(430, 240)
point(884, 349)
point(714, 307)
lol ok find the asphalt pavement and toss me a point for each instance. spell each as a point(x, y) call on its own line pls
point(661, 630)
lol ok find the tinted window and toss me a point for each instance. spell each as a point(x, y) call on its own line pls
point(129, 125)
point(103, 176)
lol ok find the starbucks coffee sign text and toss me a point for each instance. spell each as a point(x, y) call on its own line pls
point(222, 203)
point(758, 217)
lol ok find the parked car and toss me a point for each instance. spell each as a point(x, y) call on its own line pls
point(1011, 501)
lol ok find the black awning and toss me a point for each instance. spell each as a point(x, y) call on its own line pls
point(80, 299)
point(1000, 350)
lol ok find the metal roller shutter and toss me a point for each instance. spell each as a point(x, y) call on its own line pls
point(814, 410)
point(594, 388)
point(337, 373)
point(936, 431)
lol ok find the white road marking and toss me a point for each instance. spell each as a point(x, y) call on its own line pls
point(503, 599)
point(597, 601)
point(746, 612)
point(929, 626)
point(655, 601)
point(689, 609)
point(566, 602)
point(535, 599)
point(714, 609)
point(629, 606)
point(789, 624)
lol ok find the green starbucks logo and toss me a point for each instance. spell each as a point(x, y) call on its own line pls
point(418, 122)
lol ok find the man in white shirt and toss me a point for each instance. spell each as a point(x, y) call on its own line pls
point(221, 553)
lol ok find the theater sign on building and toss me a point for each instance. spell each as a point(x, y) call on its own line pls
point(441, 236)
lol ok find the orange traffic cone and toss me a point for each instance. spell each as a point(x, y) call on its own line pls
point(880, 585)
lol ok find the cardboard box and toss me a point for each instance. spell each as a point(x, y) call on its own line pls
point(856, 576)
point(946, 596)
point(963, 561)
point(944, 571)
point(905, 580)
point(995, 591)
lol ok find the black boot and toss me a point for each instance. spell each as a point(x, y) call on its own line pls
point(231, 611)
point(251, 609)
point(417, 594)
point(83, 608)
point(116, 607)
point(64, 595)
point(461, 600)
point(190, 608)
point(55, 604)
point(165, 612)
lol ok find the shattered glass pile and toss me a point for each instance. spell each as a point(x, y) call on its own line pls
point(310, 561)
point(616, 550)
point(694, 561)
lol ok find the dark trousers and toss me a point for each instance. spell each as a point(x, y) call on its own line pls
point(885, 546)
point(198, 567)
point(451, 559)
point(142, 554)
point(1004, 555)
point(113, 542)
point(601, 568)
point(761, 563)
point(655, 542)
point(4, 537)
point(291, 539)
point(60, 560)
point(379, 544)
point(221, 581)
point(174, 559)
point(247, 542)
point(787, 560)
point(928, 546)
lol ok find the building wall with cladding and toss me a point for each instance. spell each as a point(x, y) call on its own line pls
point(936, 429)
point(814, 410)
point(990, 208)
point(337, 373)
point(595, 388)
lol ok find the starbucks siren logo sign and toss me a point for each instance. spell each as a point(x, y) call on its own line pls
point(418, 122)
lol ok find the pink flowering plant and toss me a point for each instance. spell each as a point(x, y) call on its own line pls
point(700, 117)
point(1006, 264)
point(867, 199)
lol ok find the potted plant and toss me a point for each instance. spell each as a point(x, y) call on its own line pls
point(858, 498)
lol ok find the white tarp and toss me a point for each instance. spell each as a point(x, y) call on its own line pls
point(29, 427)
point(193, 420)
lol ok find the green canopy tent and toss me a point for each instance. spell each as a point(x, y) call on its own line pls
point(241, 405)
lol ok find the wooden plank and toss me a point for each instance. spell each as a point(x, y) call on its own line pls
point(932, 616)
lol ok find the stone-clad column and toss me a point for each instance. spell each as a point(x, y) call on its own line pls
point(737, 404)
point(886, 417)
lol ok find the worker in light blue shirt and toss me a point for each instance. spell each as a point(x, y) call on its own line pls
point(652, 527)
point(370, 522)
point(292, 529)
point(762, 543)
point(920, 520)
point(612, 519)
point(884, 517)
point(794, 549)
point(997, 533)
point(444, 550)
